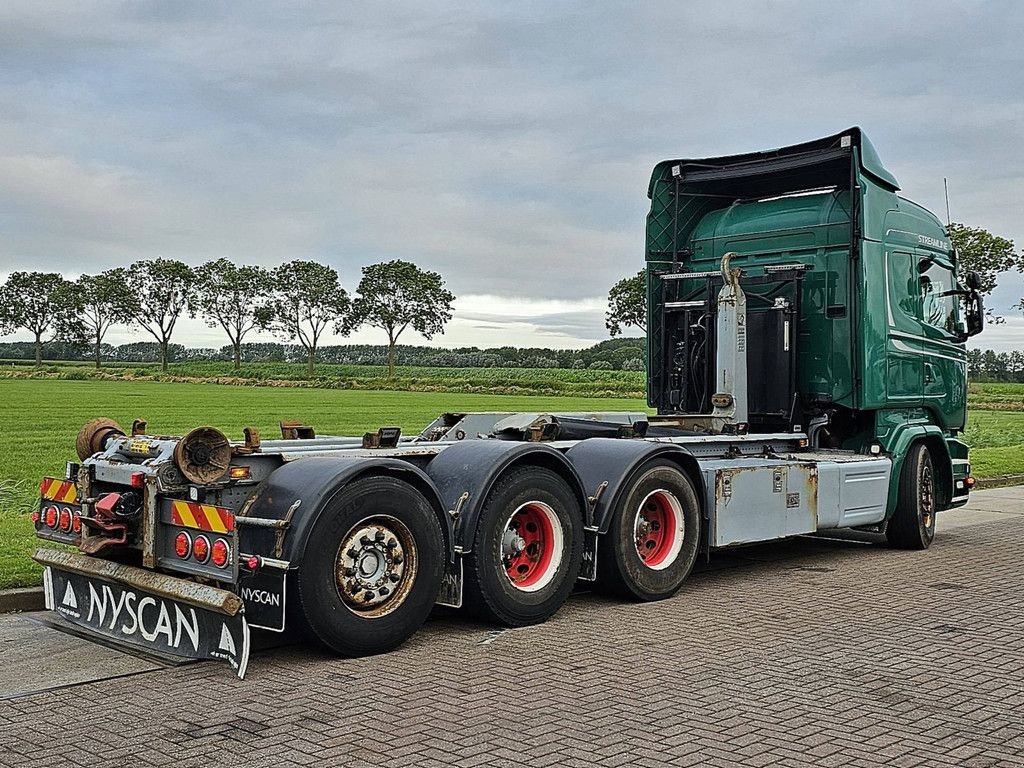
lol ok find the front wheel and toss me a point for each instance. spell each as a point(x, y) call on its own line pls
point(913, 524)
point(372, 568)
point(654, 537)
point(527, 549)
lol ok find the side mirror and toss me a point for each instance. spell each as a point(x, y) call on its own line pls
point(974, 316)
point(972, 280)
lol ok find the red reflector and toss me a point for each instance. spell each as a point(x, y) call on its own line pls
point(201, 549)
point(35, 517)
point(969, 482)
point(65, 519)
point(182, 545)
point(76, 524)
point(253, 562)
point(51, 517)
point(138, 479)
point(220, 552)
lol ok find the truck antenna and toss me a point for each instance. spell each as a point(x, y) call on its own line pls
point(945, 185)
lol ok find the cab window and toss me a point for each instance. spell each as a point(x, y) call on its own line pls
point(936, 289)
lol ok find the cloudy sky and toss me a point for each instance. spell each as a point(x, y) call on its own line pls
point(506, 145)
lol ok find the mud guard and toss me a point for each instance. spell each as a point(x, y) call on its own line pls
point(465, 473)
point(299, 490)
point(142, 609)
point(606, 465)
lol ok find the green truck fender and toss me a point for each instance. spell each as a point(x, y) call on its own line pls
point(898, 444)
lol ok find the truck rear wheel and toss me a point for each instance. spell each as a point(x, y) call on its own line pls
point(372, 568)
point(527, 549)
point(654, 537)
point(913, 524)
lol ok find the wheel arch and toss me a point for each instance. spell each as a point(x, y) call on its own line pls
point(314, 482)
point(465, 473)
point(608, 467)
point(934, 440)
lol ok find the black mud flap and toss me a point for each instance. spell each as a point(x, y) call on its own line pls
point(127, 614)
point(264, 595)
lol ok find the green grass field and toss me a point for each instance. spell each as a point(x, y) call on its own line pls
point(44, 415)
point(559, 382)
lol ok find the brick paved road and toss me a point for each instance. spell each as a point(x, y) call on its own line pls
point(809, 652)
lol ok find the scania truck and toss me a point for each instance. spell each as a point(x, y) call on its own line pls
point(806, 371)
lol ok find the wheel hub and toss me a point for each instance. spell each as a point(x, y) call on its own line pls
point(927, 497)
point(658, 529)
point(531, 546)
point(372, 565)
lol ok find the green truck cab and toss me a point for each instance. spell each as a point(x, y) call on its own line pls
point(856, 315)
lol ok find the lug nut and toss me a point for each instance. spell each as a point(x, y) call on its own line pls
point(379, 536)
point(353, 553)
point(384, 591)
point(392, 543)
point(394, 577)
point(368, 595)
point(397, 559)
point(355, 587)
point(350, 571)
point(366, 540)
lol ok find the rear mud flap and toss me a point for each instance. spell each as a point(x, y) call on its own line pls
point(128, 614)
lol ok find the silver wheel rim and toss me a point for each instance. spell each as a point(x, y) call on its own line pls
point(375, 566)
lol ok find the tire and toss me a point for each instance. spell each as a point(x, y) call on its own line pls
point(912, 526)
point(372, 568)
point(527, 549)
point(636, 557)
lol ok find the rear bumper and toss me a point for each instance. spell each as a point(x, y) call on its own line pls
point(146, 610)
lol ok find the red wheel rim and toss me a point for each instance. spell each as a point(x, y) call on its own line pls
point(531, 546)
point(658, 528)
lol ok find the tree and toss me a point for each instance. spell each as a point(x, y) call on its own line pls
point(42, 303)
point(396, 294)
point(307, 298)
point(235, 298)
point(627, 304)
point(165, 289)
point(980, 251)
point(106, 298)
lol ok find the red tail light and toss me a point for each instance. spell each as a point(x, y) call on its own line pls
point(35, 517)
point(65, 519)
point(182, 545)
point(76, 524)
point(138, 479)
point(201, 549)
point(51, 517)
point(220, 553)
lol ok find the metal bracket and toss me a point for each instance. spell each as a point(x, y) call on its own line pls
point(458, 506)
point(279, 534)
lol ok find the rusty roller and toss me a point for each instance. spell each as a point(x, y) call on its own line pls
point(94, 435)
point(203, 455)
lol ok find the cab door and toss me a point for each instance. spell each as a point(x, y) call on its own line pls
point(943, 356)
point(904, 355)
